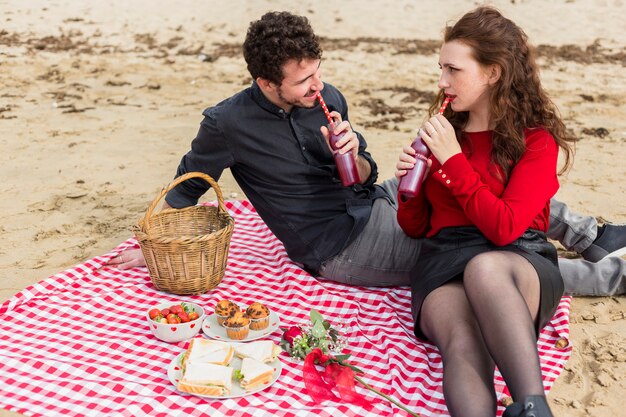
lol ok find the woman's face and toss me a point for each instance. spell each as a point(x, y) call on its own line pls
point(463, 78)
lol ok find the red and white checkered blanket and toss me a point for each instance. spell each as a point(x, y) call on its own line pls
point(78, 344)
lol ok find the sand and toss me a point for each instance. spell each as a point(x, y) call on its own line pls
point(100, 100)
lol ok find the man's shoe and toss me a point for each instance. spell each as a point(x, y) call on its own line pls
point(610, 241)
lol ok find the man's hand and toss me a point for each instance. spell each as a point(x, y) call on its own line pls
point(349, 142)
point(130, 258)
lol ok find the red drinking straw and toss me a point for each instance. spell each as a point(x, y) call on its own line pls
point(443, 106)
point(326, 112)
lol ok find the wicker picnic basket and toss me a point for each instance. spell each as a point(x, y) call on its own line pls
point(186, 249)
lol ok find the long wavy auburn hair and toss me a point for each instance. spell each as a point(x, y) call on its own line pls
point(517, 99)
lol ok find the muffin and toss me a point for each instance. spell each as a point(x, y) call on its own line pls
point(225, 309)
point(237, 326)
point(259, 316)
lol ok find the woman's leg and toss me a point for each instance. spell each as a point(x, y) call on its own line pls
point(503, 290)
point(447, 319)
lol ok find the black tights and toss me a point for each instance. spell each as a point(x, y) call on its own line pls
point(484, 321)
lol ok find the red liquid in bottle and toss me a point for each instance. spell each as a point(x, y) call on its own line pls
point(411, 182)
point(346, 165)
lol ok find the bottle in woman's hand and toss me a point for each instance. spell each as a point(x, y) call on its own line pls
point(411, 183)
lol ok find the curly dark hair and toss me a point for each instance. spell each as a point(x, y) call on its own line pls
point(517, 100)
point(275, 39)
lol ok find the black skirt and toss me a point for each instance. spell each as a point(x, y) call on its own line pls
point(443, 258)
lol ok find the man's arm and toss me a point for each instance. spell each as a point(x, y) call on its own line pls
point(209, 154)
point(364, 167)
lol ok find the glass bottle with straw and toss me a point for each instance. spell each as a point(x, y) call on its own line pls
point(346, 165)
point(411, 182)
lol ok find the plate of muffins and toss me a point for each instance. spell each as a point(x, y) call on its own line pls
point(229, 321)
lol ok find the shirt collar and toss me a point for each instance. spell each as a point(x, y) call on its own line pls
point(258, 96)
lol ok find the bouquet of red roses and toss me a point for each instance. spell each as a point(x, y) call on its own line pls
point(315, 343)
point(299, 341)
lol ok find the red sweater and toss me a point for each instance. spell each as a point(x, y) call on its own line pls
point(463, 192)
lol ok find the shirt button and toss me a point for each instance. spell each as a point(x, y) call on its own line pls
point(440, 171)
point(304, 148)
point(447, 181)
point(443, 176)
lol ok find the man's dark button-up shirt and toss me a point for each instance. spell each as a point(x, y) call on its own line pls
point(285, 168)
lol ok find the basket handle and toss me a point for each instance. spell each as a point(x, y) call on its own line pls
point(185, 177)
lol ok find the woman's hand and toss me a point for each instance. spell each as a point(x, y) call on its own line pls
point(349, 142)
point(407, 161)
point(130, 258)
point(439, 136)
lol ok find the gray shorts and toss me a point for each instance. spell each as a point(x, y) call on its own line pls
point(382, 255)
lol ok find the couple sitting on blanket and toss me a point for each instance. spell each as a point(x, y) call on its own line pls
point(472, 245)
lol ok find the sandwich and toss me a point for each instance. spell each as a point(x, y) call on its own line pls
point(202, 350)
point(261, 350)
point(206, 379)
point(254, 374)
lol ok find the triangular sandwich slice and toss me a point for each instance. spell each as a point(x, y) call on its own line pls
point(202, 350)
point(261, 350)
point(255, 374)
point(206, 379)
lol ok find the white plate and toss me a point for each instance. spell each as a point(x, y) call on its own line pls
point(212, 329)
point(174, 373)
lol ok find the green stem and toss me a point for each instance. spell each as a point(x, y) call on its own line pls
point(369, 387)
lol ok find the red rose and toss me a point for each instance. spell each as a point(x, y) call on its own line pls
point(291, 333)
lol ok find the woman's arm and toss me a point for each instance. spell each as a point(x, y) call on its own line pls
point(533, 181)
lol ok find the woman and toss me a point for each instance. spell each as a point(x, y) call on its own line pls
point(487, 280)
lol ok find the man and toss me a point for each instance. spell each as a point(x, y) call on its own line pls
point(269, 136)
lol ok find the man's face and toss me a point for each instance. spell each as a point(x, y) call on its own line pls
point(303, 79)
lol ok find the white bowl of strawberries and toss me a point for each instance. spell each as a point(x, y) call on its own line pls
point(174, 322)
